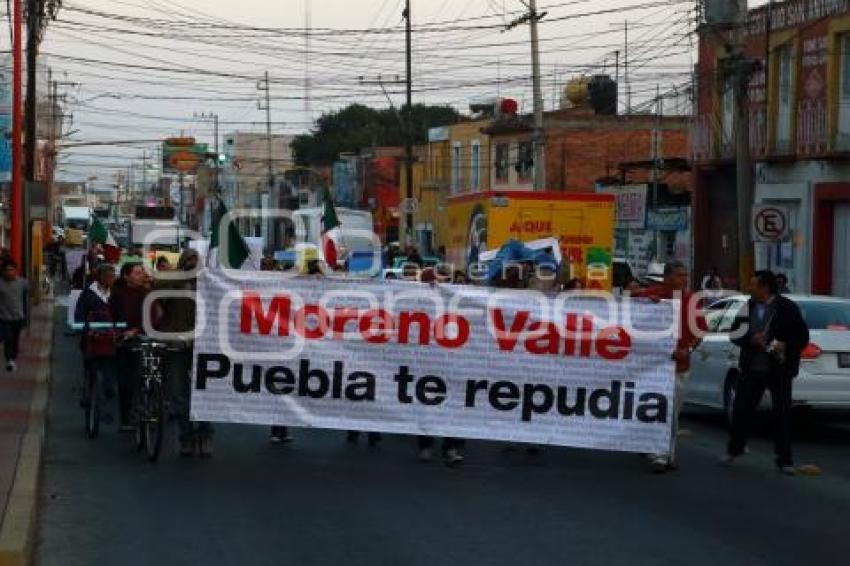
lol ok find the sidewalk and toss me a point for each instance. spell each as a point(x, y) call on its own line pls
point(23, 403)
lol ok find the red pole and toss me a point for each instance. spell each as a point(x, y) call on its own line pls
point(16, 204)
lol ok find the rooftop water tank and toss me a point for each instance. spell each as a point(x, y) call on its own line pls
point(602, 91)
point(575, 93)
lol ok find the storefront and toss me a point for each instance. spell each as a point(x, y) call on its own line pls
point(814, 256)
point(652, 226)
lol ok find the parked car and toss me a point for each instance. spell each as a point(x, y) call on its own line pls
point(824, 380)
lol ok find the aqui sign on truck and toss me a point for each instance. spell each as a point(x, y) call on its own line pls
point(583, 223)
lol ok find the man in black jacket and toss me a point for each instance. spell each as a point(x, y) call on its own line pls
point(771, 333)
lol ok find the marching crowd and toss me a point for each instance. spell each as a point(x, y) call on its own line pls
point(770, 332)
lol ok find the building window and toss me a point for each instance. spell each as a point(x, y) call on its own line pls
point(525, 162)
point(457, 167)
point(475, 171)
point(843, 131)
point(425, 237)
point(786, 98)
point(501, 163)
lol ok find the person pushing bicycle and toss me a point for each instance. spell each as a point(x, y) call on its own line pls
point(177, 317)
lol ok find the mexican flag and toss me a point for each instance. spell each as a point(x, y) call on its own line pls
point(330, 232)
point(226, 244)
point(98, 234)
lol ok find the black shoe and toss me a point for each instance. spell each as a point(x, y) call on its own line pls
point(280, 437)
point(187, 448)
point(205, 448)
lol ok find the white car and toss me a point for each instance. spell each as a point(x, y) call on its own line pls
point(824, 379)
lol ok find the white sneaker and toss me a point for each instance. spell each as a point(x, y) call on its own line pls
point(787, 470)
point(453, 457)
point(426, 454)
point(11, 365)
point(658, 465)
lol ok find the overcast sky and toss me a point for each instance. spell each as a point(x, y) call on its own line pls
point(218, 49)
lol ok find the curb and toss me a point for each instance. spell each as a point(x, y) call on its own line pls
point(18, 527)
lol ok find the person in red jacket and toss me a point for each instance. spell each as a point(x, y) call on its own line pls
point(127, 301)
point(691, 327)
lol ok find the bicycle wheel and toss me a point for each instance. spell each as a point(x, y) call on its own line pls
point(139, 434)
point(154, 420)
point(92, 405)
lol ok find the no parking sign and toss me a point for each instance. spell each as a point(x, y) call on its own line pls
point(770, 223)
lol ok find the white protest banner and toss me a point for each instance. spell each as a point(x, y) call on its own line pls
point(467, 362)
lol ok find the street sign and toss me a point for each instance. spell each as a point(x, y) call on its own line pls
point(630, 201)
point(409, 205)
point(182, 155)
point(770, 223)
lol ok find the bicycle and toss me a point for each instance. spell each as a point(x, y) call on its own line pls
point(93, 397)
point(150, 403)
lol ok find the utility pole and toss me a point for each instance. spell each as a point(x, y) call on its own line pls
point(657, 141)
point(265, 86)
point(145, 172)
point(538, 141)
point(16, 212)
point(617, 69)
point(214, 117)
point(741, 69)
point(532, 17)
point(51, 139)
point(31, 134)
point(626, 68)
point(54, 135)
point(308, 23)
point(408, 145)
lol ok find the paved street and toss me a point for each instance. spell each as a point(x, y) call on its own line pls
point(321, 502)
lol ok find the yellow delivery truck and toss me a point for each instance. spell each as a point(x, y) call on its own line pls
point(583, 223)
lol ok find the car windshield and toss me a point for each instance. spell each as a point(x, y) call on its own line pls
point(826, 315)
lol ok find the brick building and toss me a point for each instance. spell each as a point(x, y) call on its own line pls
point(587, 151)
point(583, 149)
point(799, 125)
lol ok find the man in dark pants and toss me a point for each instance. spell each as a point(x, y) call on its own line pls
point(771, 333)
point(13, 307)
point(178, 318)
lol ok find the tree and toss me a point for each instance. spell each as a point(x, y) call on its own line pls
point(38, 14)
point(356, 127)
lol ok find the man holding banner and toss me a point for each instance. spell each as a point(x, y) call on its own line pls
point(692, 322)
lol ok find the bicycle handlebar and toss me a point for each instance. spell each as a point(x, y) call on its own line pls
point(140, 341)
point(99, 326)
